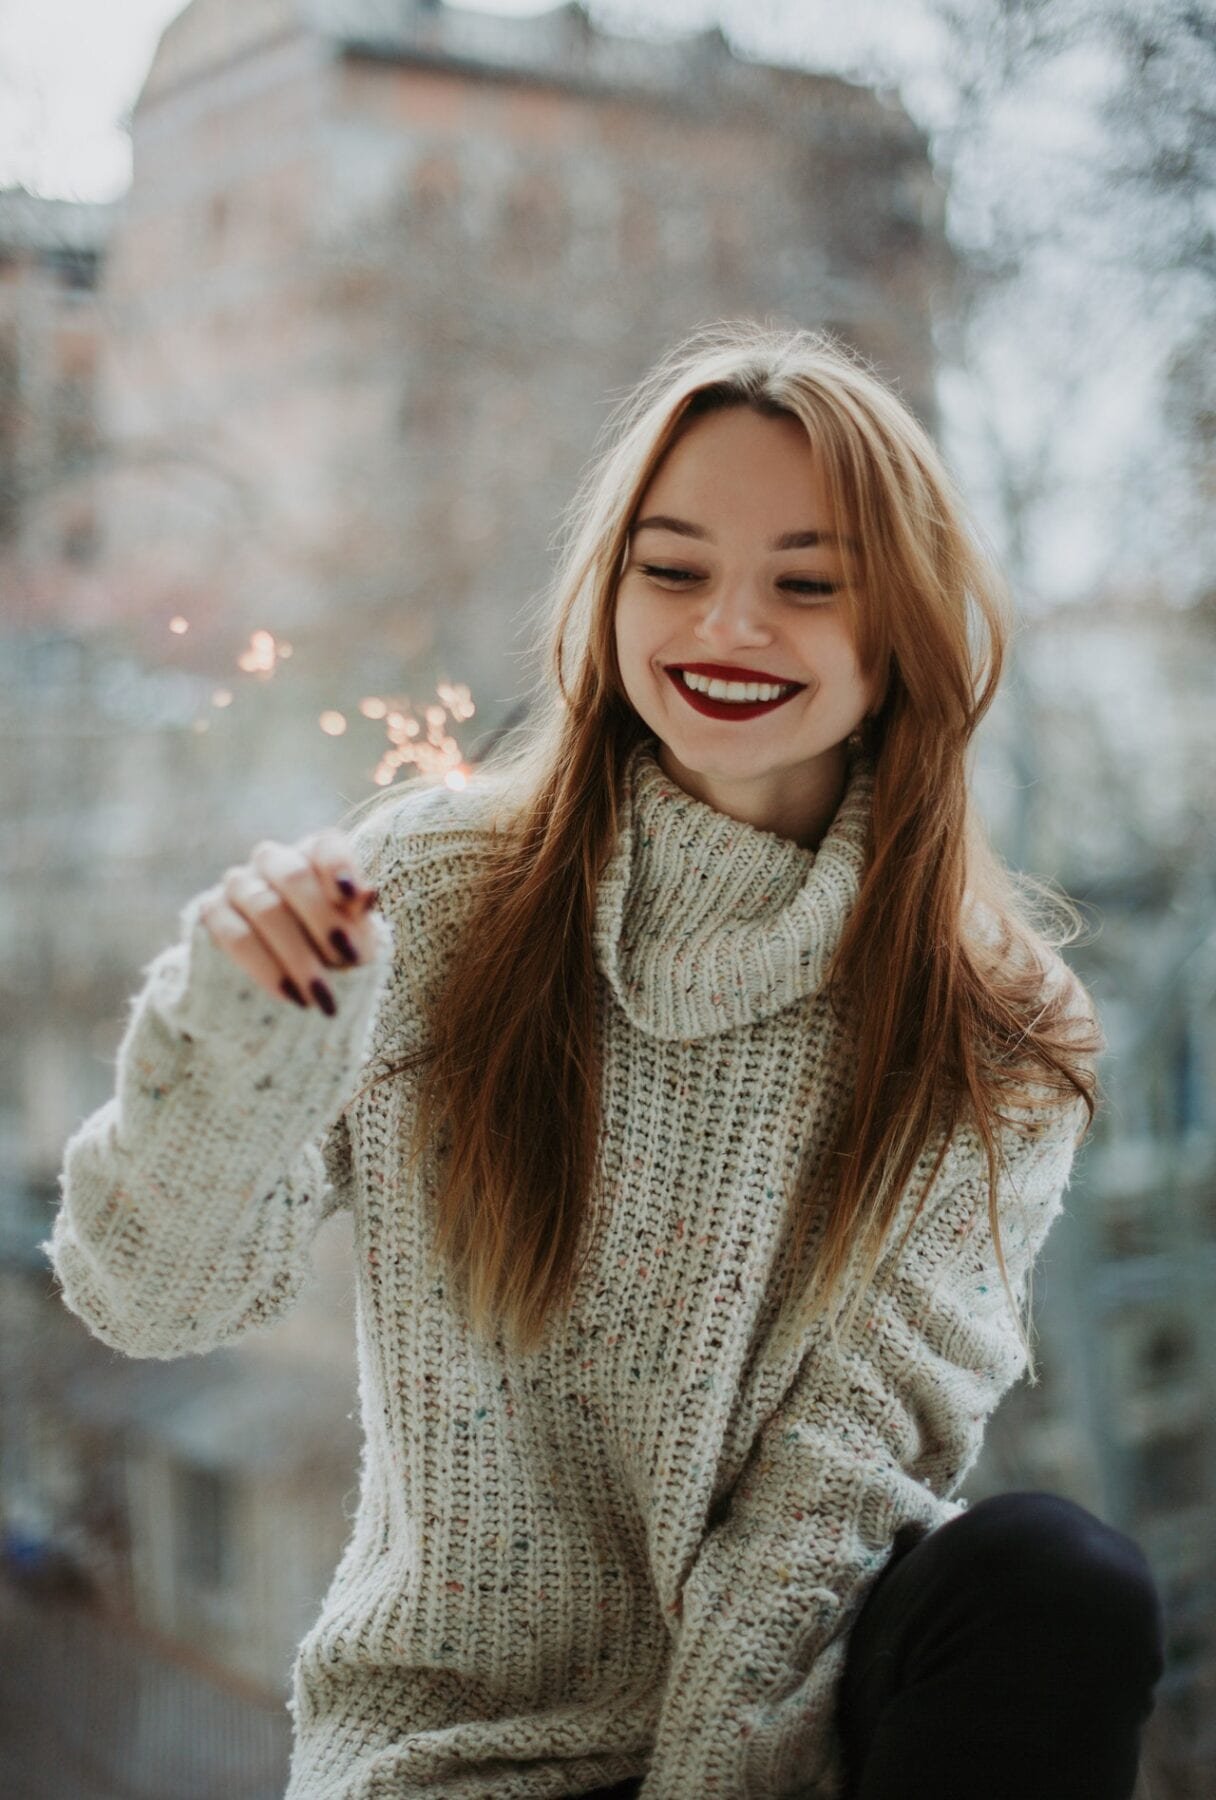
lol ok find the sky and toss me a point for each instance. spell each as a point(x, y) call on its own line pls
point(69, 69)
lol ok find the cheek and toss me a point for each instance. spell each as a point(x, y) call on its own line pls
point(839, 669)
point(635, 642)
point(845, 658)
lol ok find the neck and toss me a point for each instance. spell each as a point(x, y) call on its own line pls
point(798, 804)
point(704, 922)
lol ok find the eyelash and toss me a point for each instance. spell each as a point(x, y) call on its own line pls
point(824, 589)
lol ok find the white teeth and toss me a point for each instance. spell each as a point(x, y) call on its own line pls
point(740, 691)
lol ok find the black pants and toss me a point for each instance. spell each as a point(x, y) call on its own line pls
point(1009, 1655)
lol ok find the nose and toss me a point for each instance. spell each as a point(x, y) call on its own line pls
point(734, 616)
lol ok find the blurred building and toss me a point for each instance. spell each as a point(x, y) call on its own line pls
point(1099, 775)
point(330, 372)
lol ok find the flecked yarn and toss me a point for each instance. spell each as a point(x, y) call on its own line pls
point(639, 1549)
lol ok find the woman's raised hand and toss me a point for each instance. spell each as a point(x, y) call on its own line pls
point(291, 912)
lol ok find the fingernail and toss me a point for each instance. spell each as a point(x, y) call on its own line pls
point(347, 886)
point(288, 987)
point(343, 946)
point(323, 997)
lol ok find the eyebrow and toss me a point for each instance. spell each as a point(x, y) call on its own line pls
point(789, 540)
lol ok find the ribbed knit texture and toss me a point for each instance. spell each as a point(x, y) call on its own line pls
point(639, 1549)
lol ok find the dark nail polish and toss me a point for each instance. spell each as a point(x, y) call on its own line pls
point(288, 987)
point(323, 997)
point(343, 946)
point(347, 886)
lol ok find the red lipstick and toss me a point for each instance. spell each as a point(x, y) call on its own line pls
point(737, 710)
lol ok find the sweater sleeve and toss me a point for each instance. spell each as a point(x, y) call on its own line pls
point(867, 1438)
point(190, 1199)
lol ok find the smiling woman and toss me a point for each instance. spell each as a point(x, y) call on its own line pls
point(714, 1093)
point(744, 606)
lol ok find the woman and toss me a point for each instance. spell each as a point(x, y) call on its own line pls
point(718, 1097)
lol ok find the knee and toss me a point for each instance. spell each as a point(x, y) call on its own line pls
point(1037, 1546)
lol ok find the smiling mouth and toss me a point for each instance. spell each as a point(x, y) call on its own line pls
point(737, 700)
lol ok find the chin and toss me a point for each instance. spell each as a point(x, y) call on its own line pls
point(720, 766)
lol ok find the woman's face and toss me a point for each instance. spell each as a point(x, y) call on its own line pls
point(742, 581)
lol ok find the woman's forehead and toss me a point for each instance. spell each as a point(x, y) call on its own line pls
point(734, 470)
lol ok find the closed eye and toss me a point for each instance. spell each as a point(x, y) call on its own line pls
point(823, 588)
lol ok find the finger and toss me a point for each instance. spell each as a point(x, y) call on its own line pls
point(232, 933)
point(332, 855)
point(310, 896)
point(282, 931)
point(349, 931)
point(278, 892)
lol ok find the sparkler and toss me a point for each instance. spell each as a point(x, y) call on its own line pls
point(425, 742)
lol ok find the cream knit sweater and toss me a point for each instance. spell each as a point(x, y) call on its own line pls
point(638, 1550)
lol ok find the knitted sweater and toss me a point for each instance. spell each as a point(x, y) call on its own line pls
point(637, 1550)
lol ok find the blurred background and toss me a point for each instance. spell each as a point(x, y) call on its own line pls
point(310, 311)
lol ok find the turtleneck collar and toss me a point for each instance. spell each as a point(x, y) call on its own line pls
point(704, 924)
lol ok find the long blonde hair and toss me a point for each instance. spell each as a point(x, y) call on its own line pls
point(947, 1023)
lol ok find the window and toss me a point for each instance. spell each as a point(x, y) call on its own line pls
point(80, 540)
point(205, 1548)
point(75, 268)
point(1166, 1355)
point(1168, 1471)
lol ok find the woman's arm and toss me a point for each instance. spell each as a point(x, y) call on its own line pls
point(868, 1437)
point(191, 1198)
